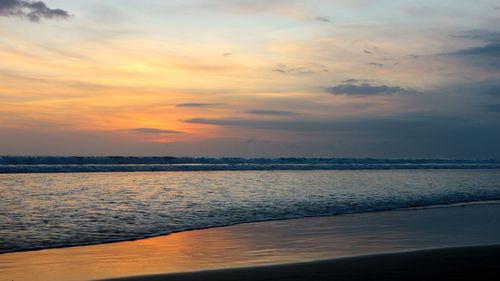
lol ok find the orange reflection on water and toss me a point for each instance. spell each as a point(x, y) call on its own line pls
point(177, 252)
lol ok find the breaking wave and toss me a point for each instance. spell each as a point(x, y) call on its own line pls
point(49, 164)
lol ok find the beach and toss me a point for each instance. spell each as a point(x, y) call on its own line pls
point(343, 246)
point(471, 263)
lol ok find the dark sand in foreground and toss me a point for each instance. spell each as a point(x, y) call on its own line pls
point(469, 263)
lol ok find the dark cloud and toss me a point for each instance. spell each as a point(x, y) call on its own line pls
point(32, 10)
point(196, 104)
point(486, 36)
point(322, 19)
point(226, 54)
point(154, 131)
point(490, 49)
point(272, 112)
point(486, 55)
point(320, 125)
point(366, 89)
point(282, 68)
point(376, 64)
point(368, 52)
point(495, 107)
point(357, 81)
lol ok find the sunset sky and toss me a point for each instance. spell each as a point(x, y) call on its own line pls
point(339, 78)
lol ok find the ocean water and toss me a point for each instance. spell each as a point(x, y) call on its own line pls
point(51, 164)
point(54, 210)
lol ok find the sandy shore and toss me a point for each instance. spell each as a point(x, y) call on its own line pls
point(468, 263)
point(280, 242)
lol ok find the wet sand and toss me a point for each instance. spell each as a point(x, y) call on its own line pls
point(471, 263)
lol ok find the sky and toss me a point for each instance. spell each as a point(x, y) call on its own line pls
point(263, 78)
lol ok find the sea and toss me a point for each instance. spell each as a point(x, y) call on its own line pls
point(49, 202)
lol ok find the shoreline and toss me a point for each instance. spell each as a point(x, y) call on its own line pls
point(456, 263)
point(263, 243)
point(430, 207)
